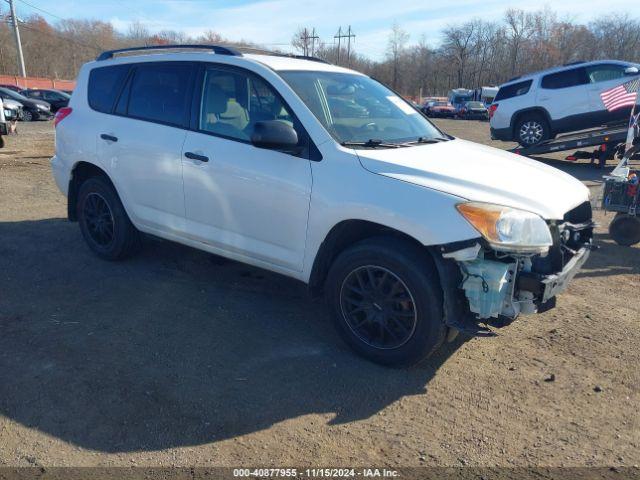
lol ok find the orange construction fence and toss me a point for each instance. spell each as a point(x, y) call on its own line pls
point(37, 82)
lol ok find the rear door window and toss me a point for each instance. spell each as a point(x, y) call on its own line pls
point(161, 92)
point(104, 86)
point(565, 79)
point(513, 90)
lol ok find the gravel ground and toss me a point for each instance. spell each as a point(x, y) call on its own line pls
point(177, 357)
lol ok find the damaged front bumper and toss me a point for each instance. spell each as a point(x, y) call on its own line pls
point(548, 286)
point(484, 288)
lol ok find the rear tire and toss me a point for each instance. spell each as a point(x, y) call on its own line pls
point(103, 221)
point(625, 229)
point(27, 116)
point(386, 301)
point(532, 129)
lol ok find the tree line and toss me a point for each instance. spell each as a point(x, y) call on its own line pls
point(480, 53)
point(469, 54)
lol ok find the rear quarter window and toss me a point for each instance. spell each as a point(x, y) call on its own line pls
point(513, 90)
point(104, 86)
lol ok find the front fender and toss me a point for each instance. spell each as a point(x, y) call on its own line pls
point(352, 193)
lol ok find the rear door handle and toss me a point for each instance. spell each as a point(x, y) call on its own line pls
point(196, 156)
point(109, 138)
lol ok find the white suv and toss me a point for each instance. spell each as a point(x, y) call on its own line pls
point(536, 107)
point(322, 174)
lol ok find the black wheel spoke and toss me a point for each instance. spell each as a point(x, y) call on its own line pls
point(98, 219)
point(378, 307)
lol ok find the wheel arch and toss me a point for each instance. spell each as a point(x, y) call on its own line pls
point(343, 235)
point(515, 118)
point(81, 171)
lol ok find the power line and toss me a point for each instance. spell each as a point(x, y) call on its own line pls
point(41, 10)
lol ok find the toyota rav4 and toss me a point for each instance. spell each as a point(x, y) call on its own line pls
point(413, 235)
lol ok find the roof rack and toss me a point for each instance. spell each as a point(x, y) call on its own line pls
point(218, 49)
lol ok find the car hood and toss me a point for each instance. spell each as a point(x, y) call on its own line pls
point(480, 173)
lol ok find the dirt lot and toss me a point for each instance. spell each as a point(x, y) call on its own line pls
point(177, 357)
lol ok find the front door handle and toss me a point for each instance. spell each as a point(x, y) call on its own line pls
point(196, 156)
point(109, 138)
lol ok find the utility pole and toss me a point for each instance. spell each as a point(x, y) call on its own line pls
point(339, 37)
point(305, 42)
point(314, 37)
point(348, 36)
point(14, 21)
point(305, 39)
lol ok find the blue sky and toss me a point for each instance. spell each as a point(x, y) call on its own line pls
point(273, 22)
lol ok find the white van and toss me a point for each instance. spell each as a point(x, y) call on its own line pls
point(322, 174)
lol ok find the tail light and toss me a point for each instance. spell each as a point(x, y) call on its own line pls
point(492, 109)
point(61, 114)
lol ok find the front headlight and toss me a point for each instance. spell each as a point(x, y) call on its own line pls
point(506, 228)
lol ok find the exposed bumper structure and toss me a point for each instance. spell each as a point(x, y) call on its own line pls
point(548, 286)
point(499, 286)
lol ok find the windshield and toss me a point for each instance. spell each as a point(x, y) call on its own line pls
point(475, 104)
point(442, 104)
point(355, 108)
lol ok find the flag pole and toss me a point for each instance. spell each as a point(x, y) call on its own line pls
point(633, 122)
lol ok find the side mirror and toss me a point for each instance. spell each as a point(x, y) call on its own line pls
point(275, 135)
point(631, 71)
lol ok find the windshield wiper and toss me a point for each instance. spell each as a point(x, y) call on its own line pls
point(428, 140)
point(372, 143)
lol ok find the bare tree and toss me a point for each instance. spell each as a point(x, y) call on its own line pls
point(397, 42)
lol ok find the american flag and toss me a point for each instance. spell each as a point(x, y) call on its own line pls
point(624, 95)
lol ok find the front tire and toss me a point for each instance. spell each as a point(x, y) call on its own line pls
point(625, 229)
point(103, 221)
point(532, 129)
point(386, 301)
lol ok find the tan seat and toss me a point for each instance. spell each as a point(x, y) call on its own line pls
point(219, 117)
point(235, 115)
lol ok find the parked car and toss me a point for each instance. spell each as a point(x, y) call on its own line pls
point(442, 109)
point(412, 235)
point(15, 88)
point(31, 109)
point(15, 107)
point(474, 111)
point(458, 97)
point(538, 106)
point(56, 98)
point(12, 110)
